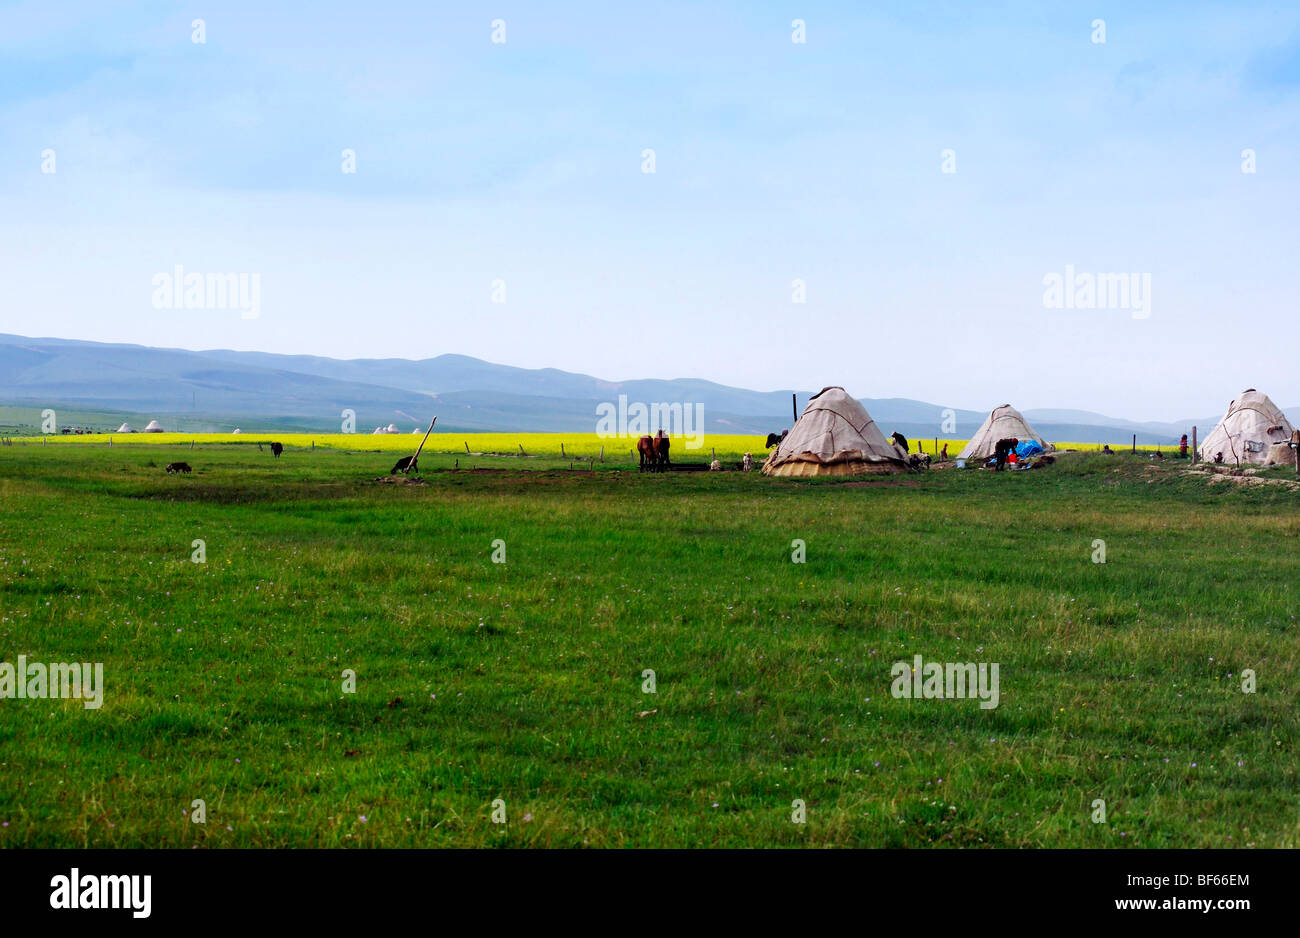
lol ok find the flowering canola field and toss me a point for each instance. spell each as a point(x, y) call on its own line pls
point(580, 445)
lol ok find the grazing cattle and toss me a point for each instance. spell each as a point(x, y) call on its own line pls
point(406, 465)
point(748, 462)
point(661, 447)
point(645, 448)
point(276, 449)
point(178, 467)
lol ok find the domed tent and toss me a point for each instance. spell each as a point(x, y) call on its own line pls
point(153, 427)
point(835, 436)
point(1002, 423)
point(1254, 430)
point(125, 428)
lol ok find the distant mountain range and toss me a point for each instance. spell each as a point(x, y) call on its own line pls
point(221, 389)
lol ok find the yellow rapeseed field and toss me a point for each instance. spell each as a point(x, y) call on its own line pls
point(580, 445)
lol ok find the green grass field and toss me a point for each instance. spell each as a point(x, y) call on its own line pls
point(523, 680)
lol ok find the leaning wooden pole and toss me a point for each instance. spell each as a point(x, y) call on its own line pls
point(419, 448)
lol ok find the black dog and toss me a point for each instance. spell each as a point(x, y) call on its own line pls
point(404, 465)
point(774, 439)
point(178, 467)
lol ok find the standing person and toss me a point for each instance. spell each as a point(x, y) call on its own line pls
point(1182, 447)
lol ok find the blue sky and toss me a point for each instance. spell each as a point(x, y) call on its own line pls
point(775, 161)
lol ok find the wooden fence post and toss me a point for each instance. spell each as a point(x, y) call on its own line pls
point(1193, 446)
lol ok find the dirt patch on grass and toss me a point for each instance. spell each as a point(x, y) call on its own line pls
point(400, 480)
point(1234, 476)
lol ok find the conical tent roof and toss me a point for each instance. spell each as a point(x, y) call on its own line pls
point(125, 428)
point(1003, 423)
point(834, 436)
point(1250, 432)
point(153, 427)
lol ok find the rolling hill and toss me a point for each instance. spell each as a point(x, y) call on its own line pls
point(218, 389)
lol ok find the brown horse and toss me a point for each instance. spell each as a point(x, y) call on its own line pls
point(661, 445)
point(645, 448)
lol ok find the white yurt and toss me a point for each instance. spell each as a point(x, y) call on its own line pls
point(1003, 423)
point(834, 436)
point(1254, 430)
point(125, 428)
point(153, 427)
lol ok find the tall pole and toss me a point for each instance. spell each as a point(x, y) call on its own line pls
point(1193, 446)
point(794, 407)
point(421, 446)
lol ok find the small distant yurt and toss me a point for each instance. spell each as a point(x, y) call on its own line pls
point(125, 428)
point(236, 430)
point(1003, 423)
point(153, 427)
point(1254, 430)
point(835, 436)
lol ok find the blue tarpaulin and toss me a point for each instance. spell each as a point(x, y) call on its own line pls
point(1028, 448)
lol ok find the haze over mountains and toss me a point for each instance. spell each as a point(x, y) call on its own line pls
point(219, 389)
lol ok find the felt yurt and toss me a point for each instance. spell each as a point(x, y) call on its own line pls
point(125, 428)
point(835, 436)
point(153, 427)
point(1003, 423)
point(1254, 430)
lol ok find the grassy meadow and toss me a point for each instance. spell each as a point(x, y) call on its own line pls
point(525, 680)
